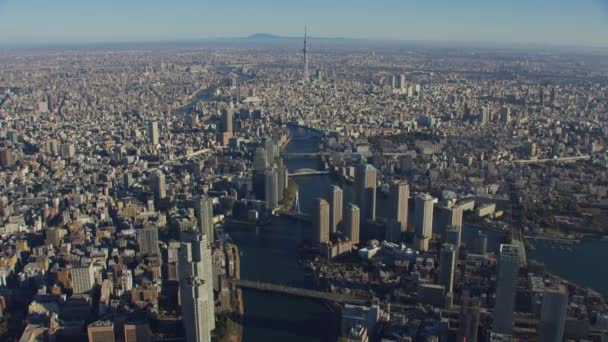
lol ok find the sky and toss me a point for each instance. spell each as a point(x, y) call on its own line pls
point(548, 22)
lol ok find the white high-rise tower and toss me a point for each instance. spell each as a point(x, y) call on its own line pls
point(196, 286)
point(305, 57)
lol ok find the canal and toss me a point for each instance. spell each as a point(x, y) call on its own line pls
point(269, 255)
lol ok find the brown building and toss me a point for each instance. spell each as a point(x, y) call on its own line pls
point(136, 332)
point(320, 222)
point(101, 331)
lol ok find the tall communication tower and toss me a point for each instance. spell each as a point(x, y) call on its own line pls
point(305, 57)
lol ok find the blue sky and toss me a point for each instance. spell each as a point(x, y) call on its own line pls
point(569, 22)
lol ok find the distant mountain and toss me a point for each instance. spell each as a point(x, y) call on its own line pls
point(264, 36)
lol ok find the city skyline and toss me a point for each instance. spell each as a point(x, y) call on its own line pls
point(246, 190)
point(549, 23)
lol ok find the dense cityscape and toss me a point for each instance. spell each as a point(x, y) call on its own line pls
point(277, 189)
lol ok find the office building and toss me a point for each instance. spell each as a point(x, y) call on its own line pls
point(453, 236)
point(259, 159)
point(51, 146)
point(335, 203)
point(505, 115)
point(6, 157)
point(392, 231)
point(351, 222)
point(137, 332)
point(486, 115)
point(479, 244)
point(153, 134)
point(354, 316)
point(147, 239)
point(101, 331)
point(320, 222)
point(400, 81)
point(423, 221)
point(157, 184)
point(447, 266)
point(203, 211)
point(282, 181)
point(365, 179)
point(468, 327)
point(196, 286)
point(271, 151)
point(67, 151)
point(553, 314)
point(399, 194)
point(506, 286)
point(448, 216)
point(227, 123)
point(271, 189)
point(83, 279)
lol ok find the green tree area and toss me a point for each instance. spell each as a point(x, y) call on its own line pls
point(225, 328)
point(404, 138)
point(4, 325)
point(289, 195)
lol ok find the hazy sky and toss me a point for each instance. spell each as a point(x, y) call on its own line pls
point(578, 22)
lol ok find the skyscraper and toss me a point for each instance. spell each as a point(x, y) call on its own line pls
point(101, 331)
point(270, 149)
point(196, 286)
point(157, 183)
point(227, 120)
point(259, 159)
point(203, 210)
point(553, 314)
point(506, 285)
point(282, 181)
point(305, 57)
point(320, 222)
point(351, 222)
point(453, 236)
point(469, 319)
point(147, 239)
point(480, 243)
point(448, 217)
point(365, 179)
point(423, 221)
point(392, 231)
point(505, 114)
point(447, 265)
point(153, 134)
point(399, 194)
point(335, 202)
point(6, 157)
point(271, 195)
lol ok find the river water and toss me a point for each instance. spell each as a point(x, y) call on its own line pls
point(269, 255)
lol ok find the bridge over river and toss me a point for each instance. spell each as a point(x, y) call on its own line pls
point(522, 320)
point(299, 292)
point(307, 172)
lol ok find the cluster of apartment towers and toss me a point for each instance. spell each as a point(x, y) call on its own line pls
point(329, 214)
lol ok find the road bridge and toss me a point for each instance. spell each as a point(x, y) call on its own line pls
point(307, 172)
point(299, 292)
point(520, 318)
point(556, 160)
point(297, 216)
point(322, 154)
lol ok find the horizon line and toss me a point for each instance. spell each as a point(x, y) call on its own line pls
point(270, 36)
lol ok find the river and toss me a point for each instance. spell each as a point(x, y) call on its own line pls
point(269, 255)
